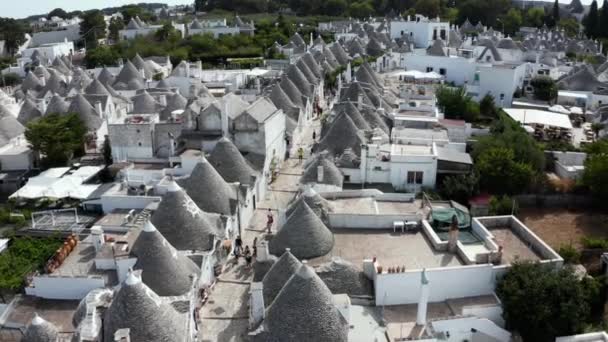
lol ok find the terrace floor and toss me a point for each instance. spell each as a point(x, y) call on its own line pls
point(514, 248)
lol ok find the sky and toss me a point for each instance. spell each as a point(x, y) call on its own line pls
point(25, 8)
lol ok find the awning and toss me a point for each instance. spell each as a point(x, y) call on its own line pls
point(449, 155)
point(535, 116)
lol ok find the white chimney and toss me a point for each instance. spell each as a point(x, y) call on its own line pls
point(99, 108)
point(42, 80)
point(162, 99)
point(320, 175)
point(143, 73)
point(224, 118)
point(43, 106)
point(122, 335)
point(187, 69)
point(256, 304)
point(423, 300)
point(262, 250)
point(360, 101)
point(199, 66)
point(98, 237)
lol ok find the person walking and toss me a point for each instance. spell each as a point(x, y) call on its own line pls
point(269, 221)
point(238, 247)
point(314, 135)
point(248, 257)
point(300, 154)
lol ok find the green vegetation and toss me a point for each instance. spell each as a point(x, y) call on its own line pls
point(13, 33)
point(23, 256)
point(92, 28)
point(545, 88)
point(457, 104)
point(569, 254)
point(594, 243)
point(460, 188)
point(57, 138)
point(595, 175)
point(502, 205)
point(541, 303)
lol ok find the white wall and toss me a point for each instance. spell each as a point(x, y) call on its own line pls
point(458, 70)
point(63, 287)
point(110, 203)
point(445, 283)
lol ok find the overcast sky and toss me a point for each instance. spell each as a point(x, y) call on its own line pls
point(24, 8)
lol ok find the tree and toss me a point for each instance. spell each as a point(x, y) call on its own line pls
point(603, 21)
point(101, 56)
point(457, 104)
point(56, 137)
point(361, 9)
point(591, 21)
point(92, 28)
point(58, 12)
point(167, 33)
point(482, 10)
point(500, 173)
point(545, 88)
point(535, 17)
point(487, 107)
point(541, 303)
point(199, 5)
point(428, 8)
point(570, 26)
point(597, 127)
point(116, 24)
point(460, 188)
point(595, 175)
point(106, 151)
point(13, 34)
point(555, 13)
point(512, 21)
point(335, 7)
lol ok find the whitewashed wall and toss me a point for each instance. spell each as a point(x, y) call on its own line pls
point(63, 287)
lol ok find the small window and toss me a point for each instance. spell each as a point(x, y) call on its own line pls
point(402, 33)
point(443, 71)
point(347, 178)
point(138, 131)
point(429, 69)
point(414, 177)
point(138, 144)
point(488, 58)
point(502, 96)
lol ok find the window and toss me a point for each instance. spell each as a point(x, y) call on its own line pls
point(402, 32)
point(435, 34)
point(414, 177)
point(138, 144)
point(429, 69)
point(442, 34)
point(347, 178)
point(502, 96)
point(442, 71)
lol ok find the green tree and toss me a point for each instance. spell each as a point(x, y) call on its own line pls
point(460, 188)
point(335, 7)
point(500, 173)
point(428, 8)
point(545, 88)
point(116, 24)
point(555, 13)
point(106, 151)
point(361, 9)
point(457, 104)
point(512, 21)
point(570, 26)
point(168, 33)
point(541, 303)
point(58, 12)
point(595, 175)
point(603, 22)
point(535, 17)
point(56, 137)
point(487, 107)
point(101, 56)
point(199, 5)
point(591, 21)
point(482, 10)
point(13, 34)
point(92, 28)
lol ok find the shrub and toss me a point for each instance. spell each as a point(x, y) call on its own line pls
point(594, 243)
point(570, 254)
point(504, 205)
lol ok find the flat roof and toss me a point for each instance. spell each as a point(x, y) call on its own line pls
point(81, 263)
point(411, 250)
point(528, 116)
point(398, 149)
point(448, 154)
point(372, 206)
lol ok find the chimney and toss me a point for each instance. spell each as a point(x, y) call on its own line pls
point(360, 101)
point(98, 237)
point(99, 109)
point(43, 106)
point(187, 69)
point(224, 118)
point(320, 175)
point(122, 335)
point(162, 99)
point(423, 300)
point(142, 72)
point(42, 80)
point(199, 66)
point(256, 304)
point(263, 253)
point(171, 145)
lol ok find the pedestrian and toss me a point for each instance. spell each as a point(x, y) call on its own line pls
point(287, 140)
point(269, 221)
point(300, 154)
point(314, 135)
point(238, 247)
point(255, 247)
point(312, 150)
point(248, 256)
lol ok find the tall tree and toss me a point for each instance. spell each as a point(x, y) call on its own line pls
point(116, 24)
point(512, 21)
point(199, 5)
point(58, 12)
point(556, 12)
point(13, 34)
point(603, 24)
point(428, 8)
point(56, 137)
point(591, 21)
point(92, 28)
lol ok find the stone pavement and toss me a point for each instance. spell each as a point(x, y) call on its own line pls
point(225, 318)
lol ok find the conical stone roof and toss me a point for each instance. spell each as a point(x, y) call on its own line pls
point(57, 105)
point(295, 95)
point(304, 233)
point(137, 308)
point(353, 112)
point(40, 330)
point(182, 223)
point(342, 134)
point(319, 205)
point(31, 82)
point(145, 104)
point(331, 174)
point(208, 189)
point(341, 277)
point(106, 77)
point(28, 112)
point(129, 78)
point(174, 102)
point(164, 270)
point(96, 88)
point(85, 112)
point(276, 277)
point(300, 81)
point(230, 163)
point(304, 310)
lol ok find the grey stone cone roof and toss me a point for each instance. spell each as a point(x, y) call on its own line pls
point(353, 112)
point(182, 223)
point(40, 330)
point(60, 66)
point(310, 76)
point(260, 268)
point(507, 43)
point(331, 174)
point(96, 88)
point(208, 189)
point(196, 25)
point(136, 307)
point(436, 49)
point(348, 159)
point(56, 84)
point(9, 126)
point(295, 95)
point(28, 112)
point(180, 70)
point(129, 78)
point(374, 48)
point(300, 81)
point(133, 25)
point(304, 233)
point(164, 270)
point(42, 72)
point(57, 105)
point(355, 48)
point(145, 104)
point(85, 112)
point(106, 77)
point(339, 53)
point(80, 80)
point(139, 64)
point(342, 134)
point(230, 163)
point(341, 276)
point(304, 310)
point(319, 205)
point(330, 57)
point(281, 100)
point(363, 75)
point(163, 84)
point(174, 102)
point(312, 64)
point(276, 277)
point(581, 80)
point(297, 39)
point(31, 82)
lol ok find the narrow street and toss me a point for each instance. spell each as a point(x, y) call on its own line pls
point(224, 318)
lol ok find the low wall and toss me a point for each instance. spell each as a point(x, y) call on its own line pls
point(554, 200)
point(351, 194)
point(437, 243)
point(445, 283)
point(368, 221)
point(65, 288)
point(110, 203)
